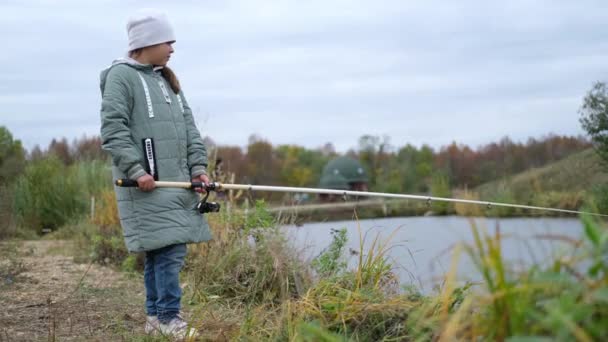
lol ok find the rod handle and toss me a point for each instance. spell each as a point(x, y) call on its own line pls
point(126, 183)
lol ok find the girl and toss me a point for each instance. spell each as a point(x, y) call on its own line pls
point(148, 129)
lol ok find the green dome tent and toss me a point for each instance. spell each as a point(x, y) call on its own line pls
point(341, 173)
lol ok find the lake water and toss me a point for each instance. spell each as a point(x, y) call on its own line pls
point(422, 247)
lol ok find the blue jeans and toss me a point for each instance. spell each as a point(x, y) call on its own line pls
point(161, 278)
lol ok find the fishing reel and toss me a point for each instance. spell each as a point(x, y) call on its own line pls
point(207, 207)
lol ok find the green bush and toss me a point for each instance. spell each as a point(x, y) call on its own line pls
point(7, 224)
point(102, 244)
point(440, 187)
point(503, 194)
point(46, 196)
point(598, 198)
point(331, 261)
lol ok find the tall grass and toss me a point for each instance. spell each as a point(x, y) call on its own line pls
point(563, 298)
point(249, 261)
point(93, 177)
point(361, 304)
point(564, 301)
point(464, 209)
point(46, 197)
point(49, 194)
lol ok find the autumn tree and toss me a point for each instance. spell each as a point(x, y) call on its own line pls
point(261, 162)
point(88, 148)
point(61, 149)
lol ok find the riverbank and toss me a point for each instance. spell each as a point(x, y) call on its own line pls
point(250, 282)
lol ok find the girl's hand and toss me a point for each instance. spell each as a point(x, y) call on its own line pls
point(203, 179)
point(146, 183)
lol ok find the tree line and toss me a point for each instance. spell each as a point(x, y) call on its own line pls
point(408, 168)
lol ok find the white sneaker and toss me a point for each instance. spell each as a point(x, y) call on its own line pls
point(152, 325)
point(178, 328)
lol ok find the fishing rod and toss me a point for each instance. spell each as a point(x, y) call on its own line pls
point(205, 206)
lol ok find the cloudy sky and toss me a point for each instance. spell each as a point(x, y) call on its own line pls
point(311, 72)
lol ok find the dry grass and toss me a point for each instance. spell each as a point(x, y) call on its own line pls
point(464, 209)
point(57, 299)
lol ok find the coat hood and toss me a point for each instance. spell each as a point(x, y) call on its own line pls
point(128, 61)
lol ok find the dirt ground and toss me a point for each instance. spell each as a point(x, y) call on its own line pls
point(44, 295)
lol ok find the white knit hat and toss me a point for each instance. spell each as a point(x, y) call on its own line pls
point(149, 27)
